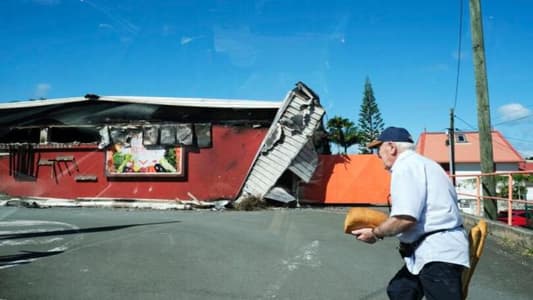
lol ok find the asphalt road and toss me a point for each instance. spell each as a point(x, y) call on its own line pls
point(90, 253)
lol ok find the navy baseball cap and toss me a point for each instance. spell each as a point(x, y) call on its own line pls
point(391, 134)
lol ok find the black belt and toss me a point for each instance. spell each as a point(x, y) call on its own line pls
point(408, 249)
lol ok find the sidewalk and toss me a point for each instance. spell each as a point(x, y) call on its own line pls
point(45, 202)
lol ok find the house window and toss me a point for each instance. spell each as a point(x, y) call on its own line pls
point(460, 138)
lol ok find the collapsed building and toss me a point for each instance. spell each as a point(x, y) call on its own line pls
point(160, 148)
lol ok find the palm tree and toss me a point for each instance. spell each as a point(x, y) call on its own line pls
point(343, 132)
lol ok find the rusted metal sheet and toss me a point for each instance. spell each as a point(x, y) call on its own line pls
point(288, 144)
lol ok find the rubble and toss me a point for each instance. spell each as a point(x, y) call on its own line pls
point(160, 204)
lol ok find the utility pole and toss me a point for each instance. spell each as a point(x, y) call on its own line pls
point(483, 109)
point(451, 143)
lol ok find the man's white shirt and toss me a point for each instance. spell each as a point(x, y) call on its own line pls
point(421, 189)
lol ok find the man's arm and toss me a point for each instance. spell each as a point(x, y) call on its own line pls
point(391, 227)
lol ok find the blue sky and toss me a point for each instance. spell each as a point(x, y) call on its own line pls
point(258, 50)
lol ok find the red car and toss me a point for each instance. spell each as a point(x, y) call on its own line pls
point(520, 217)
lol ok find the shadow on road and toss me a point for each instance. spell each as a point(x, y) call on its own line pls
point(28, 256)
point(11, 236)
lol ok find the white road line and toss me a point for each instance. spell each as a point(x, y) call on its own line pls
point(29, 242)
point(21, 227)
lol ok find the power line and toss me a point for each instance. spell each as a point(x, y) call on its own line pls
point(514, 120)
point(520, 140)
point(467, 124)
point(496, 142)
point(500, 123)
point(458, 72)
point(519, 109)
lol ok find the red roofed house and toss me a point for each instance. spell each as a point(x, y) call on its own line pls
point(467, 157)
point(467, 154)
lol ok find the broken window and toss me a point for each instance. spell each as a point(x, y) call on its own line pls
point(184, 134)
point(122, 134)
point(150, 135)
point(105, 140)
point(73, 134)
point(203, 135)
point(167, 135)
point(21, 135)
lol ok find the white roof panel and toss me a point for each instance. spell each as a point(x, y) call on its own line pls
point(186, 102)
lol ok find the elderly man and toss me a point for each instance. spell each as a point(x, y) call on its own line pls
point(425, 218)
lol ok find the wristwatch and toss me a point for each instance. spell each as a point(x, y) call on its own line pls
point(375, 234)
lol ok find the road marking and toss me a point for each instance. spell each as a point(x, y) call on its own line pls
point(29, 242)
point(13, 237)
point(307, 256)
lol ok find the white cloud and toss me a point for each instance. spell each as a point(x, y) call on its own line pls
point(188, 39)
point(42, 89)
point(238, 43)
point(119, 23)
point(185, 40)
point(513, 111)
point(518, 126)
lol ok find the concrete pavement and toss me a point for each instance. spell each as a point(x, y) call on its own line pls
point(82, 253)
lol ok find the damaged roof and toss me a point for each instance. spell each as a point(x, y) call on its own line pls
point(98, 110)
point(288, 144)
point(171, 101)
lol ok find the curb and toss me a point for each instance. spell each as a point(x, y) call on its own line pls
point(33, 202)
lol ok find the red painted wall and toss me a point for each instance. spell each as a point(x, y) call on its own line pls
point(211, 173)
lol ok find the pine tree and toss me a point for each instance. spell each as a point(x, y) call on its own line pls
point(370, 122)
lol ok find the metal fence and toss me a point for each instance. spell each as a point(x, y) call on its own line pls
point(511, 188)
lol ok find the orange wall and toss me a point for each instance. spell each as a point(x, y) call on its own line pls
point(210, 173)
point(348, 179)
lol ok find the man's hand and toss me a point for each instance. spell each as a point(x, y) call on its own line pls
point(366, 235)
point(391, 227)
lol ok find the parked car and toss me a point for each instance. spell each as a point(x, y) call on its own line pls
point(520, 217)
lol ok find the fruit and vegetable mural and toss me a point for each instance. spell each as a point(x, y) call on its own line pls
point(137, 160)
